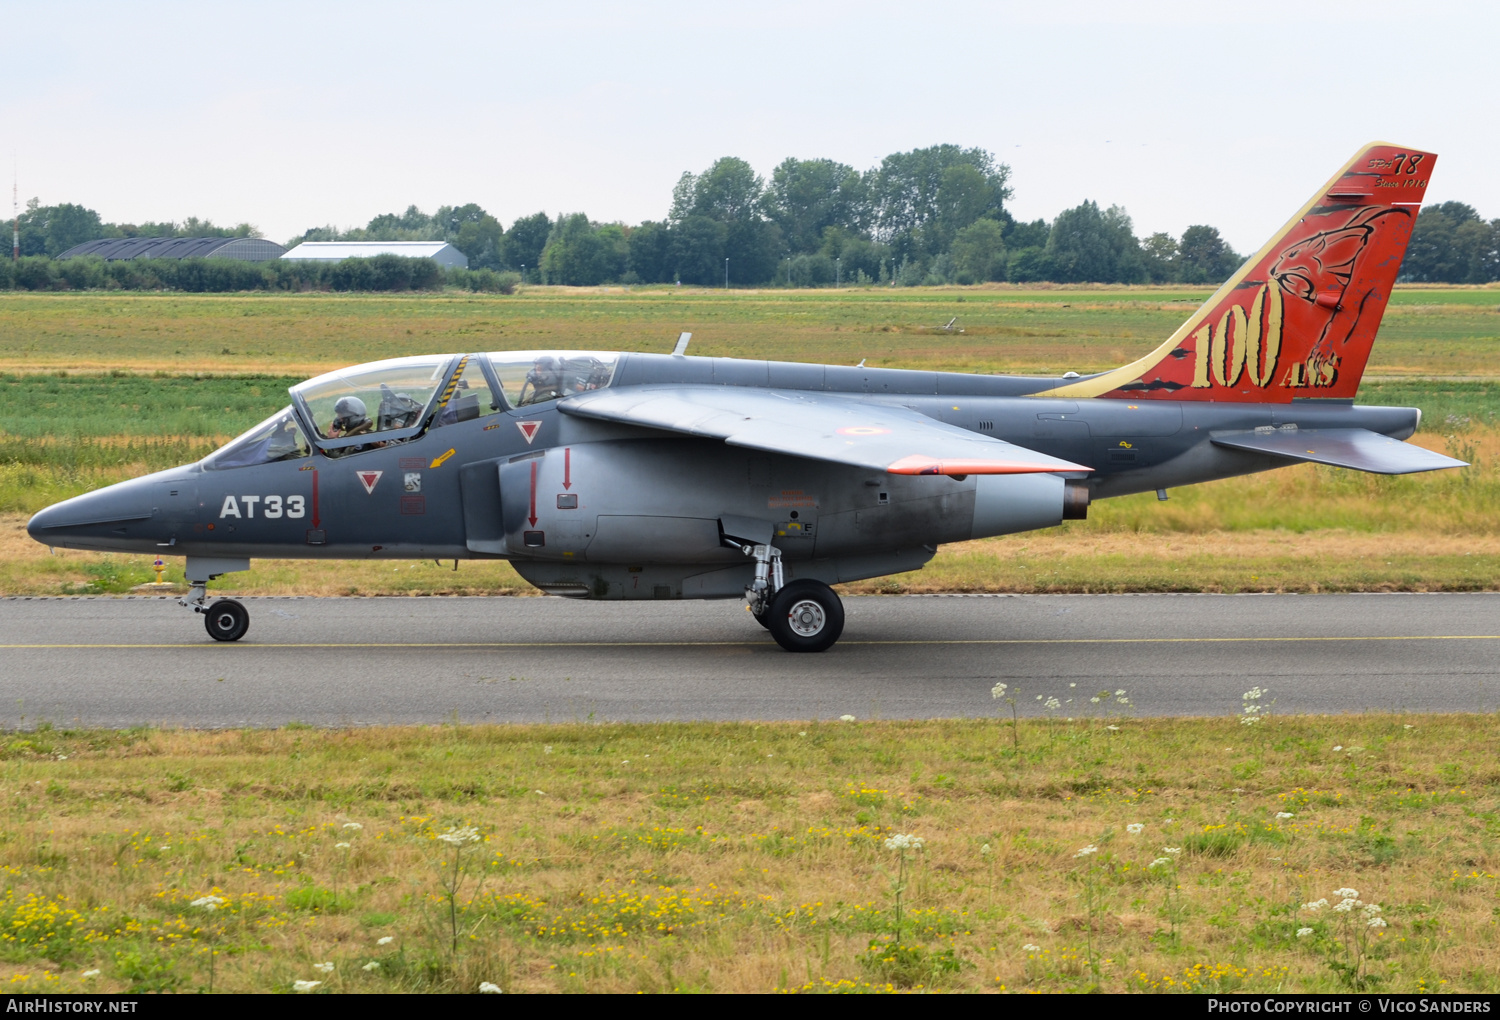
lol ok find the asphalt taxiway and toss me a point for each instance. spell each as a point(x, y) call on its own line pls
point(360, 661)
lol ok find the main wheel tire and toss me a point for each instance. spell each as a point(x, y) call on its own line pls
point(805, 616)
point(763, 619)
point(226, 620)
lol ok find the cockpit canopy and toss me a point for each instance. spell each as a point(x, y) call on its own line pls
point(369, 406)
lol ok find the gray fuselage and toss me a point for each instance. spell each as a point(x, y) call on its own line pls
point(599, 510)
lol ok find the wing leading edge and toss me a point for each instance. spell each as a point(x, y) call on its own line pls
point(881, 437)
point(1359, 449)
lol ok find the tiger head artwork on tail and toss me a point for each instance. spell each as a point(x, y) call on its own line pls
point(1298, 319)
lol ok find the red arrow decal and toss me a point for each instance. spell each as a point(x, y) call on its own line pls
point(532, 518)
point(567, 467)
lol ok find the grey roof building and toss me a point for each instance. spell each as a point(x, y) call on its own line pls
point(113, 249)
point(441, 252)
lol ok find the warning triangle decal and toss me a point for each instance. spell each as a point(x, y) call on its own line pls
point(528, 429)
point(368, 479)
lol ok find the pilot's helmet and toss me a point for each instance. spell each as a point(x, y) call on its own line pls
point(348, 411)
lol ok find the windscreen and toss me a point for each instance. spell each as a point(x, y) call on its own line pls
point(531, 377)
point(378, 397)
point(277, 438)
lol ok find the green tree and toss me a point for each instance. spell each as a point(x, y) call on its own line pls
point(1029, 265)
point(1159, 257)
point(649, 253)
point(1203, 257)
point(807, 197)
point(1451, 244)
point(525, 240)
point(475, 233)
point(1091, 245)
point(53, 229)
point(698, 249)
point(911, 190)
point(728, 191)
point(978, 252)
point(583, 254)
point(1027, 235)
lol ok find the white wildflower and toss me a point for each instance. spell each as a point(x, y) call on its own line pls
point(1052, 703)
point(387, 940)
point(1375, 922)
point(1346, 894)
point(341, 846)
point(1113, 729)
point(489, 988)
point(1094, 700)
point(1408, 726)
point(846, 718)
point(1303, 933)
point(458, 837)
point(353, 825)
point(546, 748)
point(89, 975)
point(371, 967)
point(1030, 947)
point(1160, 862)
point(1173, 850)
point(326, 968)
point(1135, 828)
point(208, 902)
point(1090, 849)
point(1119, 694)
point(985, 851)
point(1284, 815)
point(304, 987)
point(1315, 905)
point(1371, 909)
point(1344, 906)
point(902, 841)
point(1338, 747)
point(998, 691)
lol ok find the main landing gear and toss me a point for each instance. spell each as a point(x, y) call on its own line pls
point(803, 615)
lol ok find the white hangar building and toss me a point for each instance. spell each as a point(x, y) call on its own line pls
point(441, 252)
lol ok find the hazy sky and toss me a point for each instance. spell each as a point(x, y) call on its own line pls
point(302, 114)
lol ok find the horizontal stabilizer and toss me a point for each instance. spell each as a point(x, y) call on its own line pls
point(819, 426)
point(1359, 449)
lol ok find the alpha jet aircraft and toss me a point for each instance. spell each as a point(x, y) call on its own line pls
point(639, 476)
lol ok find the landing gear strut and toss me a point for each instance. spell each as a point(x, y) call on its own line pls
point(226, 619)
point(803, 616)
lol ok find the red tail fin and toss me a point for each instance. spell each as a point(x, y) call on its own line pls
point(1298, 319)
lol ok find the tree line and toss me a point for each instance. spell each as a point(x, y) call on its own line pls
point(929, 216)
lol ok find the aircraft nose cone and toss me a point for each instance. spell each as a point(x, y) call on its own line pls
point(127, 502)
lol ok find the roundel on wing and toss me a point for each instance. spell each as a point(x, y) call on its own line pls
point(864, 430)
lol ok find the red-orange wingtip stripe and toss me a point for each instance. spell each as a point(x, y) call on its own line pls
point(919, 465)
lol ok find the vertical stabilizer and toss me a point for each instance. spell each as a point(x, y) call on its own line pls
point(1298, 319)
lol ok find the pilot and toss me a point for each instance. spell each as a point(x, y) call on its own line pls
point(349, 419)
point(543, 382)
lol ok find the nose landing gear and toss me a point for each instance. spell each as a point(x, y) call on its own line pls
point(226, 619)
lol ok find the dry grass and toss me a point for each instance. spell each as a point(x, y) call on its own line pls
point(737, 857)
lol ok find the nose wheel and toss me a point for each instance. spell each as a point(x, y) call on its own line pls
point(805, 616)
point(226, 620)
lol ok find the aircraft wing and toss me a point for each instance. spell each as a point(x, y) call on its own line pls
point(1359, 449)
point(820, 426)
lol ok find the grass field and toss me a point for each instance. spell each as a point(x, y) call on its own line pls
point(95, 388)
point(754, 858)
point(1448, 331)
